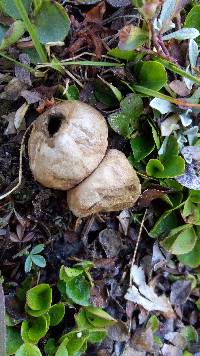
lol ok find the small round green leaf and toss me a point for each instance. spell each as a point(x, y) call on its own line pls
point(191, 259)
point(56, 313)
point(126, 120)
point(98, 317)
point(184, 242)
point(13, 340)
point(37, 249)
point(152, 75)
point(38, 260)
point(50, 347)
point(193, 19)
point(78, 289)
point(51, 22)
point(28, 350)
point(10, 9)
point(28, 264)
point(39, 299)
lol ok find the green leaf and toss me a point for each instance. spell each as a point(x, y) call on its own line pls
point(191, 212)
point(3, 30)
point(126, 120)
point(170, 165)
point(13, 34)
point(77, 340)
point(72, 93)
point(33, 330)
point(167, 221)
point(153, 323)
point(193, 19)
point(152, 75)
point(134, 38)
point(13, 340)
point(37, 249)
point(184, 242)
point(62, 351)
point(56, 313)
point(10, 9)
point(129, 56)
point(97, 336)
point(98, 317)
point(28, 264)
point(190, 333)
point(28, 350)
point(39, 299)
point(38, 260)
point(194, 196)
point(51, 22)
point(67, 273)
point(50, 347)
point(141, 146)
point(78, 289)
point(85, 265)
point(191, 259)
point(106, 94)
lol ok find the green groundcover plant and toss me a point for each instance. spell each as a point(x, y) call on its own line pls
point(42, 316)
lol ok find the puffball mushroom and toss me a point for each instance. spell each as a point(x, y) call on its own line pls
point(113, 186)
point(66, 144)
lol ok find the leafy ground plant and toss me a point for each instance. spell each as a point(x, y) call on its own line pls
point(136, 61)
point(42, 316)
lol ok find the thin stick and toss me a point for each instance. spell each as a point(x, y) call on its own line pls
point(137, 243)
point(20, 167)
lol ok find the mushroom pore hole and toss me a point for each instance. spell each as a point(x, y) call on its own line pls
point(54, 123)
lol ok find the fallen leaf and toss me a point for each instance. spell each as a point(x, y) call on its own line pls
point(119, 332)
point(10, 129)
point(21, 73)
point(13, 89)
point(180, 292)
point(119, 3)
point(124, 219)
point(96, 13)
point(149, 195)
point(144, 295)
point(31, 96)
point(190, 179)
point(111, 242)
point(142, 340)
point(19, 121)
point(179, 88)
point(170, 350)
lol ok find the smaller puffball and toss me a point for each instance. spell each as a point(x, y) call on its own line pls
point(66, 144)
point(113, 186)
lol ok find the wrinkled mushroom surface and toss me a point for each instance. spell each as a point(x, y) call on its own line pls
point(66, 144)
point(114, 185)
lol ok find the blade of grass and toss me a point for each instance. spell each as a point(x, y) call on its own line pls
point(157, 94)
point(175, 69)
point(79, 63)
point(25, 66)
point(30, 28)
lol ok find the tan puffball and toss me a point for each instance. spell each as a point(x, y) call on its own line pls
point(66, 144)
point(114, 185)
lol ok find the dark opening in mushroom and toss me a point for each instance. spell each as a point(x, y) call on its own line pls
point(54, 123)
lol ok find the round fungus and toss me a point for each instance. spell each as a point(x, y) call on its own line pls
point(66, 144)
point(113, 186)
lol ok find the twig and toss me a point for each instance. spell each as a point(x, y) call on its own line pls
point(20, 167)
point(137, 243)
point(2, 322)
